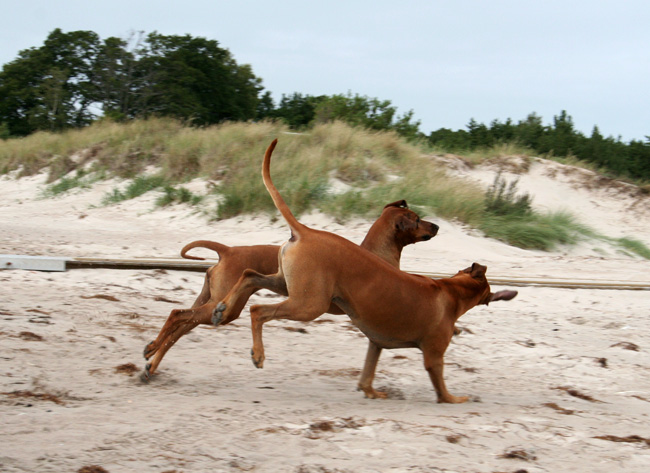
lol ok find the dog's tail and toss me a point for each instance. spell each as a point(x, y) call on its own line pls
point(280, 204)
point(210, 245)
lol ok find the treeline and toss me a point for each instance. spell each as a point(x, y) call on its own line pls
point(559, 139)
point(76, 78)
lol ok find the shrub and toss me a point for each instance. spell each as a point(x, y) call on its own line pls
point(501, 199)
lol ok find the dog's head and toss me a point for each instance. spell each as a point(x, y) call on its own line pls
point(409, 227)
point(475, 275)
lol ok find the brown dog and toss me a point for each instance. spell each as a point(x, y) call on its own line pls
point(396, 227)
point(392, 308)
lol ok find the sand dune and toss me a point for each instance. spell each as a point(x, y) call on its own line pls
point(559, 378)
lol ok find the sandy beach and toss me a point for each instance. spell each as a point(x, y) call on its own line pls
point(559, 379)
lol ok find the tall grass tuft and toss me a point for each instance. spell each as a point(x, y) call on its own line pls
point(535, 231)
point(67, 183)
point(501, 199)
point(499, 150)
point(177, 195)
point(634, 246)
point(139, 186)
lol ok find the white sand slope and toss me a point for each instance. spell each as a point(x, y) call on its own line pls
point(560, 378)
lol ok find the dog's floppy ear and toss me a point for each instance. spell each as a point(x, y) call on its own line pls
point(503, 295)
point(400, 204)
point(477, 271)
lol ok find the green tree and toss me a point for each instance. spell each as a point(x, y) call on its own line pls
point(370, 113)
point(54, 87)
point(595, 149)
point(639, 156)
point(195, 79)
point(479, 135)
point(530, 131)
point(117, 86)
point(297, 110)
point(561, 138)
point(265, 106)
point(51, 112)
point(450, 140)
point(406, 128)
point(502, 132)
point(49, 88)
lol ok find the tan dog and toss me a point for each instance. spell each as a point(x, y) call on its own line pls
point(396, 227)
point(392, 308)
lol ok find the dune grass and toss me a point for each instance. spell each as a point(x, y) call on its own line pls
point(633, 246)
point(65, 184)
point(479, 155)
point(139, 186)
point(377, 167)
point(124, 149)
point(535, 231)
point(177, 195)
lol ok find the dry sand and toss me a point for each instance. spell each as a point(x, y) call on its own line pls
point(559, 378)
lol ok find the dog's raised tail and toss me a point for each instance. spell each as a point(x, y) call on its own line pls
point(211, 245)
point(279, 202)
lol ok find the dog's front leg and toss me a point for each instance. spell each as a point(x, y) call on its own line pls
point(434, 364)
point(368, 374)
point(290, 309)
point(257, 352)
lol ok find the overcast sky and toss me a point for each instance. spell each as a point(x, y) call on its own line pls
point(448, 61)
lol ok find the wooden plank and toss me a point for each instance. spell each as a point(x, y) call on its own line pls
point(33, 263)
point(142, 263)
point(194, 265)
point(44, 263)
point(559, 282)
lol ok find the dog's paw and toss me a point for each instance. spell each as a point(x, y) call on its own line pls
point(217, 313)
point(258, 361)
point(377, 395)
point(145, 376)
point(148, 350)
point(453, 399)
point(371, 393)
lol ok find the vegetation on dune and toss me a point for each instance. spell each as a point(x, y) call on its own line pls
point(374, 167)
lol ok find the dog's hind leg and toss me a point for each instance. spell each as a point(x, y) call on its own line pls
point(179, 322)
point(249, 283)
point(204, 296)
point(173, 319)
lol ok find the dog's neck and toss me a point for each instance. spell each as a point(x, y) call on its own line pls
point(465, 293)
point(383, 245)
